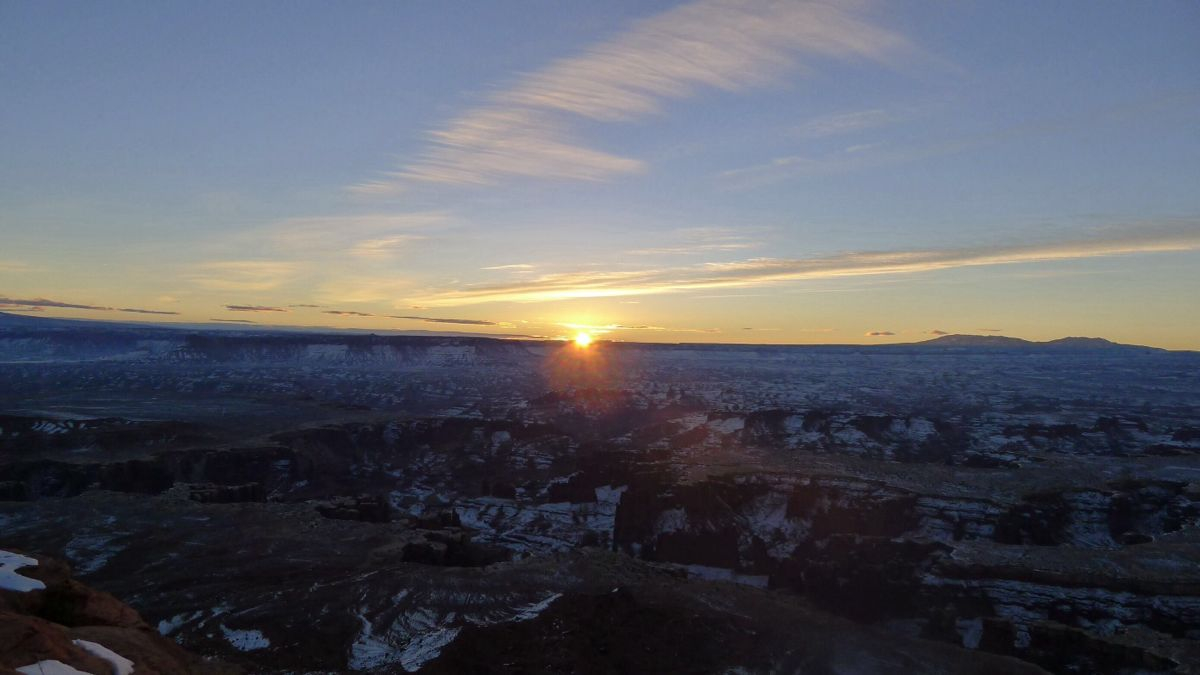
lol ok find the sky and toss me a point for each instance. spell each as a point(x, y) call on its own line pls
point(711, 171)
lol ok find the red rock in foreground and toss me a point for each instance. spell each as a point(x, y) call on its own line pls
point(47, 624)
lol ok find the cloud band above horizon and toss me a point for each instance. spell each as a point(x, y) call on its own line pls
point(767, 271)
point(525, 130)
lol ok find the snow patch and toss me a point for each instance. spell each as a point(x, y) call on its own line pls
point(10, 580)
point(425, 648)
point(533, 609)
point(245, 640)
point(51, 667)
point(607, 494)
point(120, 664)
point(728, 425)
point(422, 634)
point(369, 651)
point(168, 626)
point(971, 631)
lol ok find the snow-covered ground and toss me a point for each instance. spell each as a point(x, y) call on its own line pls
point(418, 634)
point(10, 579)
point(245, 640)
point(49, 667)
point(120, 664)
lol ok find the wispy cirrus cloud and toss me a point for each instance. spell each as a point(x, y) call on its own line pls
point(613, 327)
point(332, 247)
point(357, 288)
point(384, 246)
point(364, 233)
point(697, 240)
point(845, 123)
point(525, 130)
point(609, 327)
point(767, 271)
point(516, 267)
point(243, 275)
point(875, 155)
point(254, 308)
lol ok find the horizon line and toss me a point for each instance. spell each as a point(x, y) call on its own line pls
point(384, 332)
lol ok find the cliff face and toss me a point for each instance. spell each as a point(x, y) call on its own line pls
point(1093, 571)
point(1102, 580)
point(98, 342)
point(48, 618)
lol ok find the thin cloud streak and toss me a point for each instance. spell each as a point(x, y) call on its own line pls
point(243, 275)
point(384, 246)
point(727, 45)
point(254, 308)
point(693, 241)
point(766, 271)
point(693, 250)
point(38, 304)
point(367, 234)
point(146, 311)
point(875, 155)
point(611, 327)
point(844, 123)
point(430, 319)
point(43, 302)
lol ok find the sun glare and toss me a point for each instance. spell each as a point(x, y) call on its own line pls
point(582, 339)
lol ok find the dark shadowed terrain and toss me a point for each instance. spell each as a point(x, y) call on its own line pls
point(297, 503)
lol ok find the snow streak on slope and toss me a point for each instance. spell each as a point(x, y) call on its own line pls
point(10, 580)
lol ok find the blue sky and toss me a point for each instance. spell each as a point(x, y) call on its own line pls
point(710, 171)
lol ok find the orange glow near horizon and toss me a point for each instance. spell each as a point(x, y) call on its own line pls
point(583, 362)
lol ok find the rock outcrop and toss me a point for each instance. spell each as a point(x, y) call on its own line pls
point(65, 621)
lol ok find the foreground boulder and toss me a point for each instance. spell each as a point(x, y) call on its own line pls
point(49, 618)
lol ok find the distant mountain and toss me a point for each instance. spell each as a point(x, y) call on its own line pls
point(977, 341)
point(1089, 343)
point(1004, 342)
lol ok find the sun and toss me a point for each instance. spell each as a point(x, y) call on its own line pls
point(582, 339)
